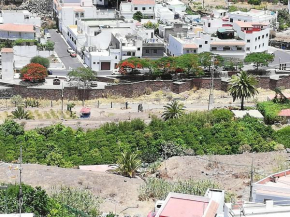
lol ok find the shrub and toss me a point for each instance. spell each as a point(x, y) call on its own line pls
point(270, 110)
point(283, 136)
point(33, 72)
point(40, 60)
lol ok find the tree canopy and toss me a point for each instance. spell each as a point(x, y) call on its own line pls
point(138, 16)
point(40, 60)
point(259, 59)
point(83, 74)
point(189, 63)
point(33, 72)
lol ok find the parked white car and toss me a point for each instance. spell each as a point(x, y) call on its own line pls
point(48, 35)
point(70, 50)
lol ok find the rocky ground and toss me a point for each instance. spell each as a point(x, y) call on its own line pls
point(117, 192)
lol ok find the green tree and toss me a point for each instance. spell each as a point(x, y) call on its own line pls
point(189, 63)
point(209, 60)
point(84, 75)
point(254, 2)
point(164, 65)
point(173, 110)
point(10, 127)
point(49, 45)
point(20, 113)
point(128, 163)
point(243, 86)
point(259, 59)
point(40, 60)
point(138, 16)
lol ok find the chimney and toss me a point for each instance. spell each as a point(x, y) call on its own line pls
point(269, 204)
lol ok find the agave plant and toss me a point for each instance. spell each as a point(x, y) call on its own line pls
point(20, 113)
point(128, 163)
point(173, 110)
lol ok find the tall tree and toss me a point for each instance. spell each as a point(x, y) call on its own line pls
point(243, 86)
point(259, 59)
point(33, 72)
point(209, 60)
point(164, 65)
point(173, 110)
point(138, 16)
point(84, 75)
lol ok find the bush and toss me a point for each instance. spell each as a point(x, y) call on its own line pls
point(40, 60)
point(270, 111)
point(33, 72)
point(158, 189)
point(283, 136)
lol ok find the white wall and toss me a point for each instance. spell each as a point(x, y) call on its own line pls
point(175, 47)
point(7, 66)
point(17, 17)
point(211, 25)
point(16, 35)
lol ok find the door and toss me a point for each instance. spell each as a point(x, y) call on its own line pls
point(105, 66)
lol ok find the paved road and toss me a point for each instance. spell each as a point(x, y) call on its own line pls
point(61, 50)
point(60, 72)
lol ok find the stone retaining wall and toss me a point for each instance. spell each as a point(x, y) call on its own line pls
point(134, 89)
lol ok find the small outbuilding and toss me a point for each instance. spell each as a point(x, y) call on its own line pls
point(285, 113)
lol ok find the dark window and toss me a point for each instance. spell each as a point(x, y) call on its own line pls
point(213, 48)
point(187, 51)
point(267, 35)
point(136, 8)
point(138, 48)
point(194, 51)
point(208, 24)
point(143, 8)
point(226, 48)
point(155, 51)
point(231, 20)
point(147, 51)
point(150, 8)
point(248, 48)
point(248, 41)
point(206, 42)
point(116, 57)
point(259, 37)
point(263, 36)
point(94, 62)
point(133, 54)
point(200, 46)
point(105, 65)
point(239, 48)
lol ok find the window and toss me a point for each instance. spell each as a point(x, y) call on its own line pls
point(133, 54)
point(77, 14)
point(138, 49)
point(248, 41)
point(155, 51)
point(194, 51)
point(263, 44)
point(116, 57)
point(200, 46)
point(76, 22)
point(263, 36)
point(267, 35)
point(147, 51)
point(129, 53)
point(255, 47)
point(206, 42)
point(259, 37)
point(116, 65)
point(231, 20)
point(248, 49)
point(143, 8)
point(68, 33)
point(82, 14)
point(255, 39)
point(259, 45)
point(213, 48)
point(26, 17)
point(187, 51)
point(123, 44)
point(239, 48)
point(226, 48)
point(150, 8)
point(95, 33)
point(94, 62)
point(135, 8)
point(208, 25)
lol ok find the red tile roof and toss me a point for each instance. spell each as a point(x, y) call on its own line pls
point(7, 50)
point(194, 46)
point(143, 2)
point(244, 24)
point(284, 112)
point(10, 27)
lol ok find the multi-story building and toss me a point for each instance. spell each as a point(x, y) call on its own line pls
point(146, 7)
point(19, 17)
point(17, 31)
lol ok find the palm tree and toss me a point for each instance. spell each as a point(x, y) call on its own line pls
point(173, 110)
point(128, 163)
point(20, 113)
point(243, 86)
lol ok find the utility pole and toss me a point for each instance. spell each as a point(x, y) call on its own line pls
point(251, 184)
point(210, 98)
point(20, 181)
point(62, 96)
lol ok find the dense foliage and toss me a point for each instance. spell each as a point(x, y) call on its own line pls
point(40, 60)
point(33, 72)
point(270, 110)
point(64, 202)
point(259, 59)
point(283, 18)
point(213, 132)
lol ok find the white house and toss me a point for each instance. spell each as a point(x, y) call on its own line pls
point(163, 13)
point(256, 35)
point(265, 209)
point(176, 6)
point(146, 7)
point(17, 31)
point(211, 25)
point(19, 17)
point(256, 16)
